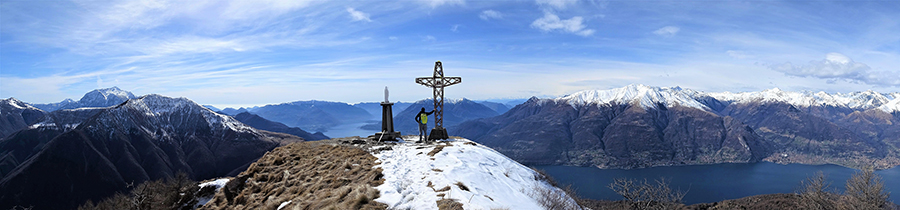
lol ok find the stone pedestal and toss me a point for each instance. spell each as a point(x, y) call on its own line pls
point(387, 124)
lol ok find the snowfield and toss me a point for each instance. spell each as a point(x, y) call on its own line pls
point(493, 181)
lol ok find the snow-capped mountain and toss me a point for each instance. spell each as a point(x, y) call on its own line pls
point(856, 100)
point(650, 97)
point(146, 138)
point(15, 115)
point(163, 115)
point(97, 98)
point(642, 126)
point(645, 96)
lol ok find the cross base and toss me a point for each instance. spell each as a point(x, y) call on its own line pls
point(386, 136)
point(438, 133)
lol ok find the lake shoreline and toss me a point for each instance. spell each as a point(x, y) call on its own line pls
point(713, 182)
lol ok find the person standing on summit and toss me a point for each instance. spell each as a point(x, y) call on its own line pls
point(422, 120)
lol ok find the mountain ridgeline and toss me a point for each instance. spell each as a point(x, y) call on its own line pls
point(313, 115)
point(455, 112)
point(640, 126)
point(74, 155)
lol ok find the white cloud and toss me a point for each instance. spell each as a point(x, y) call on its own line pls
point(667, 31)
point(454, 27)
point(558, 4)
point(392, 38)
point(490, 14)
point(437, 3)
point(837, 66)
point(738, 54)
point(551, 22)
point(357, 15)
point(429, 38)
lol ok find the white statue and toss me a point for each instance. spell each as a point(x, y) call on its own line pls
point(386, 95)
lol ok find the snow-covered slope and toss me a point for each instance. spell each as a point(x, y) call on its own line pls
point(414, 179)
point(648, 97)
point(13, 103)
point(173, 115)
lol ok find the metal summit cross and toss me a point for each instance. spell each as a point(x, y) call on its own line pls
point(437, 82)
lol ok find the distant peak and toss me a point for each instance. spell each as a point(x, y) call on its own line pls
point(113, 88)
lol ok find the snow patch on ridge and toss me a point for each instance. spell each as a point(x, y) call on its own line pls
point(493, 180)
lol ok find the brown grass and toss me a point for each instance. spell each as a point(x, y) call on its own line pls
point(446, 188)
point(437, 149)
point(449, 204)
point(310, 175)
point(461, 186)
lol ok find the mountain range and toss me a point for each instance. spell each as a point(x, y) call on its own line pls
point(641, 126)
point(73, 155)
point(455, 112)
point(258, 122)
point(312, 115)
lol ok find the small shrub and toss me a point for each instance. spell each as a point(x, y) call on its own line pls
point(178, 192)
point(814, 193)
point(647, 195)
point(865, 190)
point(552, 199)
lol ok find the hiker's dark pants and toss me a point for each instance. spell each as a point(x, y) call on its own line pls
point(423, 134)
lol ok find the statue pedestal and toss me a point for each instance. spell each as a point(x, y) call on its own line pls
point(387, 124)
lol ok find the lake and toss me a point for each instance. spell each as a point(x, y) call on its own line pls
point(349, 129)
point(712, 183)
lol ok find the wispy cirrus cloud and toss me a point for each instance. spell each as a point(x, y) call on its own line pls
point(437, 3)
point(557, 4)
point(551, 22)
point(837, 66)
point(667, 31)
point(357, 15)
point(490, 14)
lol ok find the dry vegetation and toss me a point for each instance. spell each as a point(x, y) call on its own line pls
point(175, 193)
point(864, 190)
point(449, 204)
point(309, 175)
point(554, 199)
point(648, 195)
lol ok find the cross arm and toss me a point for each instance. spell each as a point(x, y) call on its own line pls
point(437, 82)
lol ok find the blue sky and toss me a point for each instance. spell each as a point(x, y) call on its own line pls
point(254, 52)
